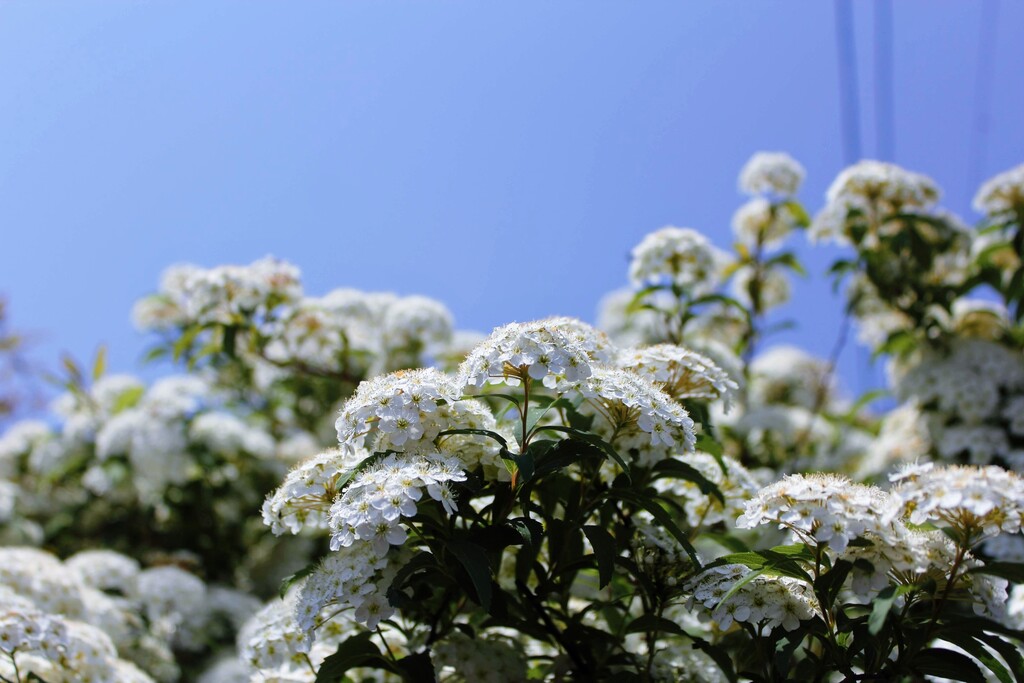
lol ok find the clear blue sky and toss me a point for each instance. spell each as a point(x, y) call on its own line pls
point(502, 157)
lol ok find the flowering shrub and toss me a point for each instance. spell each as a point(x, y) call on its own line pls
point(347, 488)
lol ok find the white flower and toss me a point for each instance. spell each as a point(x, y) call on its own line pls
point(1001, 193)
point(976, 501)
point(821, 508)
point(771, 172)
point(680, 372)
point(678, 256)
point(558, 352)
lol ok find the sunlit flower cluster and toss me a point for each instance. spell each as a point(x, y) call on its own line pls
point(819, 509)
point(682, 373)
point(1001, 193)
point(975, 501)
point(681, 257)
point(558, 352)
point(765, 603)
point(771, 173)
point(490, 659)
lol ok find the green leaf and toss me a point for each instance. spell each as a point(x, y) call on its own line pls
point(661, 516)
point(184, 342)
point(474, 561)
point(1010, 653)
point(479, 432)
point(593, 440)
point(977, 650)
point(604, 551)
point(789, 260)
point(288, 581)
point(677, 469)
point(531, 531)
point(946, 664)
point(417, 668)
point(780, 561)
point(798, 212)
point(883, 603)
point(1011, 571)
point(831, 582)
point(653, 623)
point(708, 445)
point(99, 365)
point(128, 398)
point(356, 651)
point(727, 541)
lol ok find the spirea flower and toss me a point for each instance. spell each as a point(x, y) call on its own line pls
point(759, 223)
point(788, 375)
point(305, 497)
point(1001, 193)
point(682, 373)
point(975, 501)
point(884, 185)
point(630, 403)
point(226, 294)
point(766, 601)
point(486, 658)
point(400, 408)
point(771, 173)
point(417, 320)
point(677, 256)
point(820, 509)
point(967, 383)
point(558, 352)
point(371, 506)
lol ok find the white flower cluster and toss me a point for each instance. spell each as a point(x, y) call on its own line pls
point(765, 602)
point(558, 352)
point(486, 658)
point(305, 497)
point(972, 395)
point(365, 522)
point(875, 188)
point(820, 509)
point(273, 648)
point(886, 186)
point(365, 330)
point(680, 372)
point(100, 617)
point(761, 224)
point(1001, 193)
point(228, 435)
point(407, 411)
point(371, 506)
point(631, 405)
point(771, 173)
point(976, 501)
point(911, 558)
point(787, 375)
point(222, 295)
point(681, 257)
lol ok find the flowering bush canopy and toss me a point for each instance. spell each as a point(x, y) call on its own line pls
point(348, 488)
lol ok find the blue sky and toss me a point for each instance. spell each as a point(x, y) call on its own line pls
point(501, 157)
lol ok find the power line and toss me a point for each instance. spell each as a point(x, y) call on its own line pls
point(884, 116)
point(983, 91)
point(849, 108)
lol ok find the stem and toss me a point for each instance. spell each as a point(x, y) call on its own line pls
point(386, 646)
